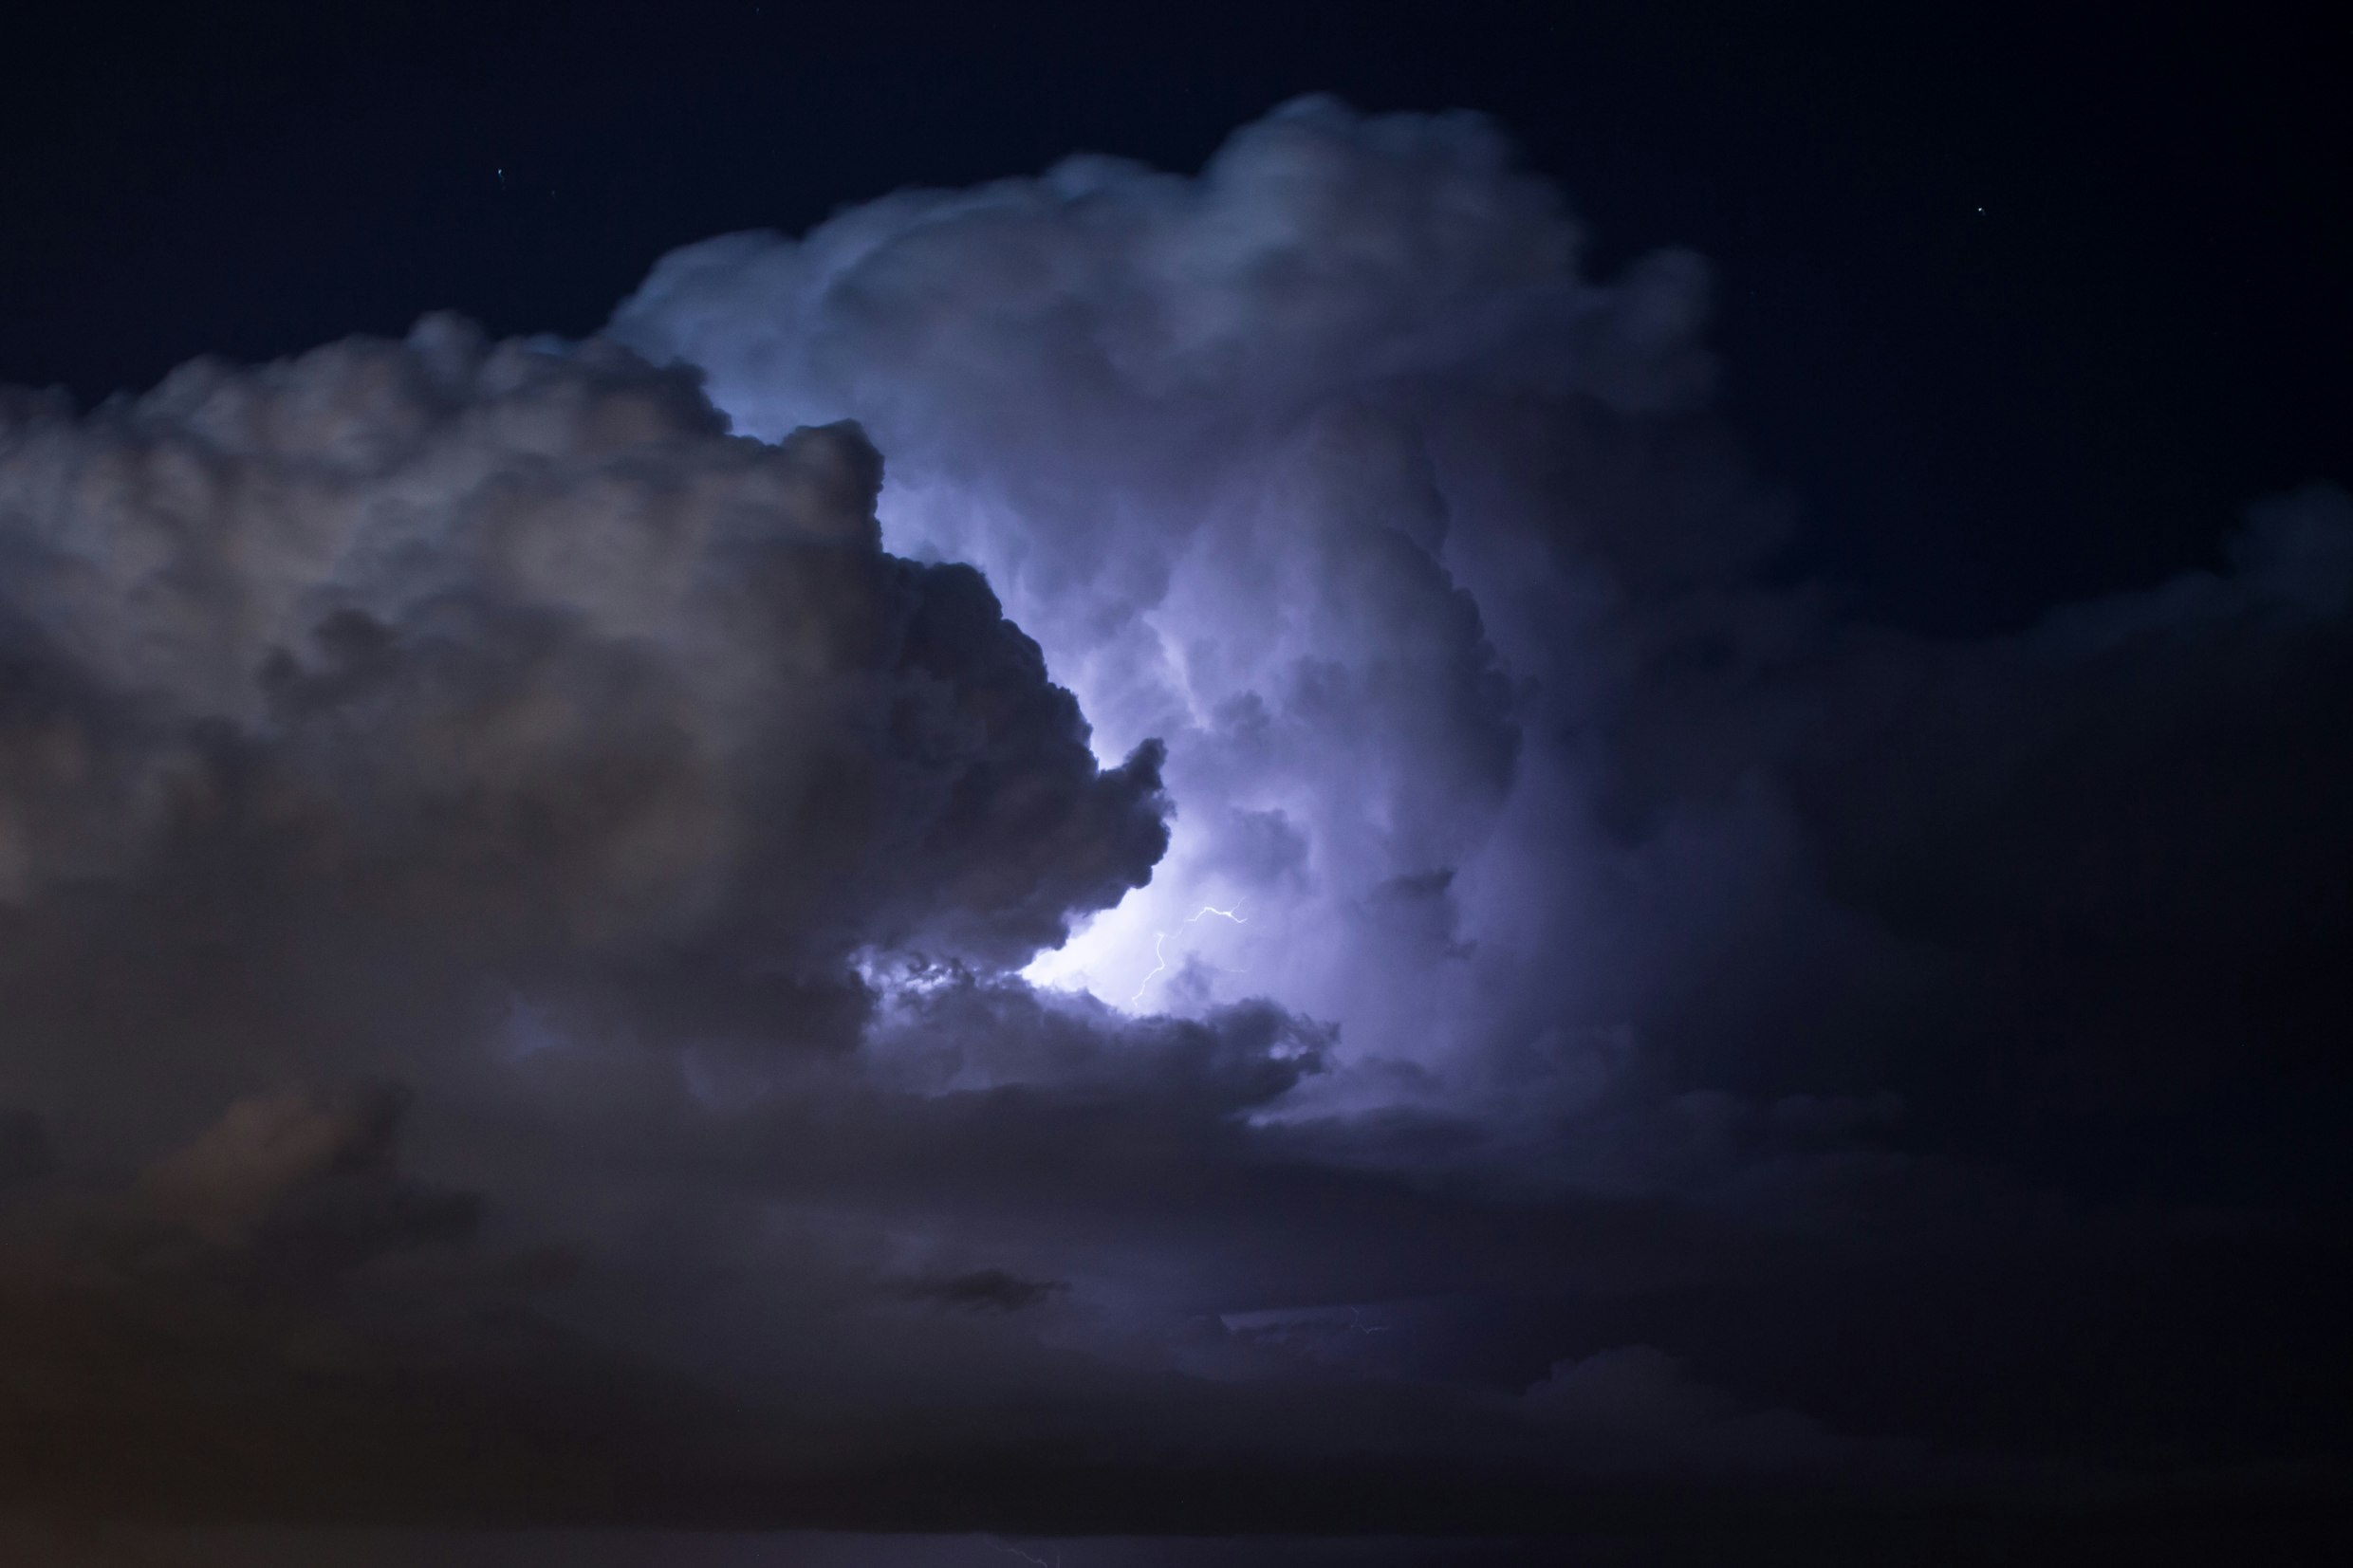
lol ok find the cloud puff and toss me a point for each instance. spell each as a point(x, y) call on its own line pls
point(484, 666)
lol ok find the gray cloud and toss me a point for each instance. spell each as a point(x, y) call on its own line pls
point(445, 670)
point(486, 720)
point(1499, 901)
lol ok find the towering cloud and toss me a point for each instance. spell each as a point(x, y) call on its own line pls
point(1203, 435)
point(1495, 736)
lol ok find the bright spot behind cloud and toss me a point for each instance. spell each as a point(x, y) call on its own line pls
point(1239, 451)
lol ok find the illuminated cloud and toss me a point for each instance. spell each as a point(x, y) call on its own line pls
point(1206, 437)
point(1486, 692)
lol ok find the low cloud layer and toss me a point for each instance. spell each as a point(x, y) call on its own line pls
point(559, 940)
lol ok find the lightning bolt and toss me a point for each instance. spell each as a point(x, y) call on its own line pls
point(1159, 954)
point(1157, 969)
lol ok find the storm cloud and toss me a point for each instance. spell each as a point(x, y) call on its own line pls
point(1501, 733)
point(555, 922)
point(512, 670)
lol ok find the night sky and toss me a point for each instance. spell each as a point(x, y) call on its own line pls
point(1271, 784)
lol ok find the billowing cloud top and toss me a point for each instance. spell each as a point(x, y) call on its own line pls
point(1493, 736)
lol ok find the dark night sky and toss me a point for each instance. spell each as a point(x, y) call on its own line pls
point(1791, 856)
point(2070, 390)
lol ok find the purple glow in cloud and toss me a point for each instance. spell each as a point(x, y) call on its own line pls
point(1206, 438)
point(1419, 549)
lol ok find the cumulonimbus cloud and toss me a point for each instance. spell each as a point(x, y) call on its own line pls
point(1495, 882)
point(1495, 738)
